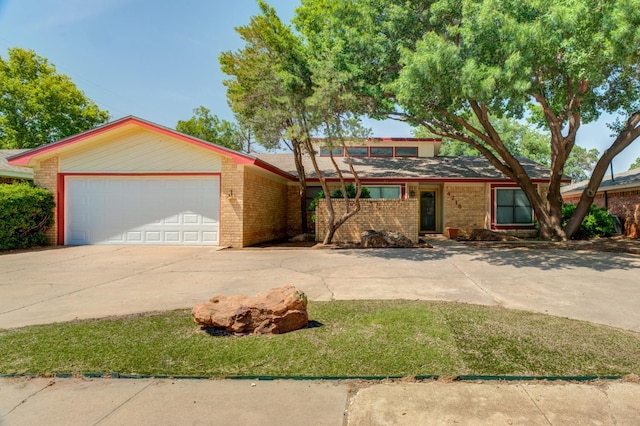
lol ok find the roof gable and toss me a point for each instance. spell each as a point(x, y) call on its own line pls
point(71, 143)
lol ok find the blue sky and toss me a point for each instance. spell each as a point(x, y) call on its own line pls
point(158, 60)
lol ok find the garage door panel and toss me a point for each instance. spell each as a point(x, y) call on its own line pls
point(149, 210)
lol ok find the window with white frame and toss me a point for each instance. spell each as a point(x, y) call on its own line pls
point(513, 207)
point(384, 191)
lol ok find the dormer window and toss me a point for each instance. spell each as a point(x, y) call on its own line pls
point(382, 151)
point(406, 151)
point(336, 151)
point(358, 151)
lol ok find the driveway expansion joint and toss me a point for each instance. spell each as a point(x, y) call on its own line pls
point(524, 389)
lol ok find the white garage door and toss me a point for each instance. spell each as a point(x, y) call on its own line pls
point(142, 210)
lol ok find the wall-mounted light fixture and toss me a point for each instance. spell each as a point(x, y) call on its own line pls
point(230, 195)
point(412, 193)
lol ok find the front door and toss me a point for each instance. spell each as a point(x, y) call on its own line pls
point(428, 211)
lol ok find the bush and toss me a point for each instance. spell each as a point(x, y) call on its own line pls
point(26, 212)
point(597, 223)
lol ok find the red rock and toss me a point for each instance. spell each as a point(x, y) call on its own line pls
point(277, 311)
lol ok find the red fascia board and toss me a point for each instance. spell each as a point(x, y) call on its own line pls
point(273, 169)
point(419, 140)
point(399, 180)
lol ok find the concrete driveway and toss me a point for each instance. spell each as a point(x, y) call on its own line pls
point(62, 284)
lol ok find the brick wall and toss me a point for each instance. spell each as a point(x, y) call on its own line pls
point(294, 220)
point(380, 215)
point(467, 206)
point(231, 203)
point(265, 209)
point(624, 204)
point(46, 176)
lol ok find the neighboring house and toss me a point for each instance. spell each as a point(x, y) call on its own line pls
point(620, 194)
point(134, 182)
point(9, 173)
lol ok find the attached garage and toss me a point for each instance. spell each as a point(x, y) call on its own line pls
point(164, 210)
point(134, 182)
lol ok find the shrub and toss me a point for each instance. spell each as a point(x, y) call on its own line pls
point(26, 212)
point(597, 223)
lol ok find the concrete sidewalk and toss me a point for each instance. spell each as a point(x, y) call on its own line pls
point(56, 402)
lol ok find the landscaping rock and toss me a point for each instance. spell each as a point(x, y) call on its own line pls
point(280, 310)
point(379, 239)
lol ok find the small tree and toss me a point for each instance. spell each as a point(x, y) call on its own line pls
point(279, 92)
point(208, 127)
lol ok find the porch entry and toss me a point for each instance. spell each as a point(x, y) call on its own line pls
point(428, 211)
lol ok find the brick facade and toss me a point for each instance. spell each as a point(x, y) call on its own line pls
point(380, 215)
point(265, 209)
point(624, 204)
point(294, 220)
point(231, 203)
point(46, 176)
point(467, 206)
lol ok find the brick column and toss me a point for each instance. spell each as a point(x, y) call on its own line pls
point(46, 176)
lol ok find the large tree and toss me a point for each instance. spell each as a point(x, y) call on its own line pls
point(274, 91)
point(38, 105)
point(209, 127)
point(528, 141)
point(454, 66)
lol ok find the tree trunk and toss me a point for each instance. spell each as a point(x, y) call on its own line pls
point(302, 181)
point(629, 133)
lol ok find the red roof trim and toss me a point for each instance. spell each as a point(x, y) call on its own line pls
point(374, 139)
point(24, 159)
point(399, 180)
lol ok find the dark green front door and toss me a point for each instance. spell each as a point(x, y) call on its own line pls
point(428, 211)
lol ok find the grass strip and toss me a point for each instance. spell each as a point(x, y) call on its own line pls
point(356, 338)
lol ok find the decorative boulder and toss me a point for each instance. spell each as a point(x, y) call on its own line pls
point(280, 310)
point(379, 239)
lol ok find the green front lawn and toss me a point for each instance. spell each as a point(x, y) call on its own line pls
point(356, 338)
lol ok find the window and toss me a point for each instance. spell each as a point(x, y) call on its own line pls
point(358, 151)
point(513, 207)
point(384, 191)
point(337, 151)
point(381, 151)
point(408, 151)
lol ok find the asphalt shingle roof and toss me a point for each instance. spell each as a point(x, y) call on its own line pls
point(627, 179)
point(13, 171)
point(406, 167)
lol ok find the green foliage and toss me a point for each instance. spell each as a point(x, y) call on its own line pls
point(457, 67)
point(38, 105)
point(351, 193)
point(26, 212)
point(208, 127)
point(635, 164)
point(597, 223)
